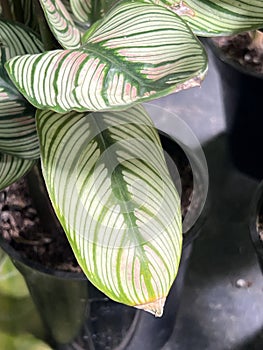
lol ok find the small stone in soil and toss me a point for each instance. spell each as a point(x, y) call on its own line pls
point(241, 283)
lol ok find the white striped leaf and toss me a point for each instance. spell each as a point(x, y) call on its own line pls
point(138, 52)
point(81, 26)
point(12, 169)
point(85, 9)
point(18, 134)
point(81, 9)
point(61, 24)
point(16, 40)
point(214, 17)
point(17, 123)
point(108, 181)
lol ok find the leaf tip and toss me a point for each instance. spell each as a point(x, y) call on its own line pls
point(154, 307)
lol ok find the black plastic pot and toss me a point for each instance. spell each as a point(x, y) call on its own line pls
point(242, 94)
point(256, 212)
point(76, 314)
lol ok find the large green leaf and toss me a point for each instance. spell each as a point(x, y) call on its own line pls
point(111, 190)
point(217, 17)
point(61, 24)
point(12, 169)
point(138, 52)
point(17, 123)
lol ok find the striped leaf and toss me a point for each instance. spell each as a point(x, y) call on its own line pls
point(18, 134)
point(61, 24)
point(12, 169)
point(138, 52)
point(16, 40)
point(111, 190)
point(17, 123)
point(213, 17)
point(81, 9)
point(81, 26)
point(84, 10)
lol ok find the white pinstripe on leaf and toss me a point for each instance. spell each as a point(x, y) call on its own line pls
point(61, 24)
point(12, 169)
point(214, 17)
point(110, 187)
point(138, 52)
point(17, 123)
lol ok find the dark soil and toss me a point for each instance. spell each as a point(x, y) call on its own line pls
point(243, 50)
point(184, 168)
point(21, 226)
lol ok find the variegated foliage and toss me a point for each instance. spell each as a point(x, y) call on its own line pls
point(18, 137)
point(12, 168)
point(217, 17)
point(111, 190)
point(21, 11)
point(61, 24)
point(81, 9)
point(85, 9)
point(17, 39)
point(81, 26)
point(138, 52)
point(17, 126)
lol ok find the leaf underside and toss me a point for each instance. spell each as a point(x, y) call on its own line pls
point(138, 52)
point(111, 190)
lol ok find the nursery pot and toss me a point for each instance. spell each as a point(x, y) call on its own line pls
point(256, 223)
point(78, 316)
point(242, 94)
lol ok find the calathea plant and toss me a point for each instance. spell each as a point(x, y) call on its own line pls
point(76, 107)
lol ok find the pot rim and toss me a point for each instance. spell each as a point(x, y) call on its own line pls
point(256, 205)
point(16, 256)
